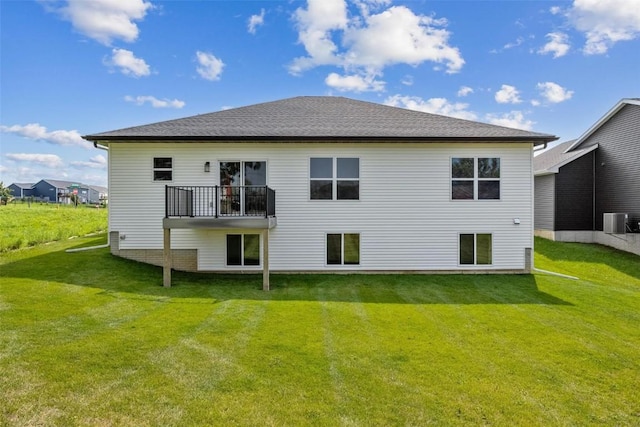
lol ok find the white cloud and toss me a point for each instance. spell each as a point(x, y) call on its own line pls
point(433, 105)
point(96, 162)
point(104, 20)
point(398, 36)
point(354, 83)
point(517, 43)
point(558, 45)
point(39, 133)
point(553, 92)
point(315, 25)
point(513, 119)
point(407, 80)
point(155, 102)
point(464, 91)
point(555, 10)
point(366, 6)
point(48, 160)
point(605, 22)
point(210, 67)
point(255, 21)
point(508, 95)
point(369, 42)
point(129, 65)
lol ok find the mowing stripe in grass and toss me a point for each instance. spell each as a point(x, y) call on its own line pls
point(109, 346)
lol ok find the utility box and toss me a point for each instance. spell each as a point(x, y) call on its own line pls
point(615, 223)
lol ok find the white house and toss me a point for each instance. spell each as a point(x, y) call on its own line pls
point(322, 184)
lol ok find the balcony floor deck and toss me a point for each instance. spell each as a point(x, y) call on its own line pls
point(247, 222)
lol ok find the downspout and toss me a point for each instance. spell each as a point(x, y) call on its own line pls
point(100, 147)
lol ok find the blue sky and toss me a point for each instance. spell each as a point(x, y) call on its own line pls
point(76, 67)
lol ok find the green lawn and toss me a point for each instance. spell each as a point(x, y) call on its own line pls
point(90, 339)
point(26, 225)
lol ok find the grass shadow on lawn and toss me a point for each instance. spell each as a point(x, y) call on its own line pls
point(121, 278)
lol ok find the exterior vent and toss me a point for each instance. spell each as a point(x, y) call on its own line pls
point(615, 223)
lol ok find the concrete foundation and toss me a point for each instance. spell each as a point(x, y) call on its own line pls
point(182, 259)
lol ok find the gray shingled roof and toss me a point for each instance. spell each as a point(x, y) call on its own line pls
point(99, 188)
point(319, 117)
point(552, 159)
point(23, 185)
point(62, 184)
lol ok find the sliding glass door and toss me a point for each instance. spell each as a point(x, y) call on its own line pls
point(242, 188)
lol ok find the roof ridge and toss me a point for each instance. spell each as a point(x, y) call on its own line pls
point(318, 117)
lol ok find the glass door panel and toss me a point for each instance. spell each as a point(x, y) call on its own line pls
point(242, 188)
point(230, 182)
point(255, 180)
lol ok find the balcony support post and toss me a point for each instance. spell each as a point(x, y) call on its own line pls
point(166, 259)
point(265, 260)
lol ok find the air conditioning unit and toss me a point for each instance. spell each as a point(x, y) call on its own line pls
point(615, 223)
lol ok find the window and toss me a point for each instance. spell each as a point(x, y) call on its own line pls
point(334, 178)
point(242, 188)
point(476, 249)
point(243, 249)
point(343, 249)
point(162, 169)
point(475, 178)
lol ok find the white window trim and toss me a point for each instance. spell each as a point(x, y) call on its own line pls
point(334, 179)
point(242, 265)
point(154, 169)
point(342, 265)
point(475, 179)
point(475, 250)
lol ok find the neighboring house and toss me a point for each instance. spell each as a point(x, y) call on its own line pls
point(53, 190)
point(98, 194)
point(57, 191)
point(578, 182)
point(356, 186)
point(21, 190)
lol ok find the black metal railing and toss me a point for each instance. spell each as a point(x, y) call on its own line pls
point(219, 201)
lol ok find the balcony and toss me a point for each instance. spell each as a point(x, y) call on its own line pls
point(220, 207)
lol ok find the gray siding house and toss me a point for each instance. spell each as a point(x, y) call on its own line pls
point(53, 190)
point(57, 191)
point(322, 184)
point(579, 181)
point(21, 190)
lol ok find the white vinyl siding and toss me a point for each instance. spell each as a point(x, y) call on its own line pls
point(404, 214)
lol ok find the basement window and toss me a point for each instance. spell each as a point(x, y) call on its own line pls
point(476, 249)
point(243, 249)
point(343, 249)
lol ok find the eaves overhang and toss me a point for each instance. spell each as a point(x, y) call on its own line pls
point(556, 168)
point(537, 140)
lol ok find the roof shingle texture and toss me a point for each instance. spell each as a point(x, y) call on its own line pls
point(318, 117)
point(551, 159)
